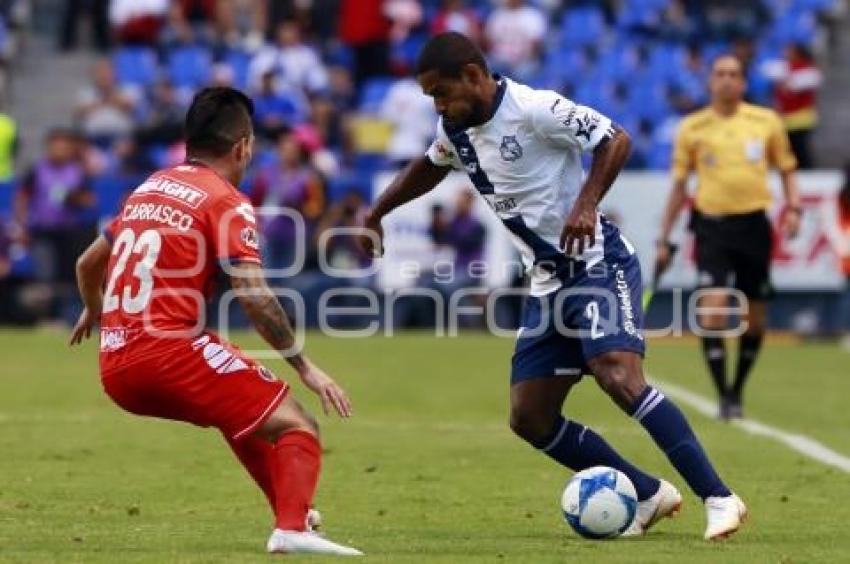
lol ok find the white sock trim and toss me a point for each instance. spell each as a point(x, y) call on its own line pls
point(558, 437)
point(646, 401)
point(643, 413)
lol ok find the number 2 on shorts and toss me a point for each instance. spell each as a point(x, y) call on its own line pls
point(592, 313)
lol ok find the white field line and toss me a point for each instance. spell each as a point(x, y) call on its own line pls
point(806, 446)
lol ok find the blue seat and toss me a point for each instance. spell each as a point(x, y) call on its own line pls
point(344, 183)
point(582, 26)
point(619, 63)
point(596, 92)
point(135, 66)
point(7, 198)
point(373, 93)
point(639, 14)
point(813, 5)
point(403, 53)
point(158, 155)
point(189, 66)
point(666, 61)
point(562, 66)
point(691, 85)
point(793, 27)
point(239, 62)
point(110, 190)
point(659, 156)
point(4, 35)
point(265, 157)
point(369, 164)
point(340, 55)
point(648, 100)
point(660, 152)
point(760, 88)
point(627, 121)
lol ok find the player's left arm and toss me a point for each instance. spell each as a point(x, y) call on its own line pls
point(567, 125)
point(248, 281)
point(782, 157)
point(233, 233)
point(793, 211)
point(91, 272)
point(609, 156)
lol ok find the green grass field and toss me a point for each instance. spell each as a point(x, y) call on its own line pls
point(426, 471)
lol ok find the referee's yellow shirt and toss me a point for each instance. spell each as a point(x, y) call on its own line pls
point(732, 156)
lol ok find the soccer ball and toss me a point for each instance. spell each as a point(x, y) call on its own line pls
point(599, 503)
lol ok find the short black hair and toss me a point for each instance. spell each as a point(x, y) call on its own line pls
point(728, 55)
point(218, 117)
point(447, 53)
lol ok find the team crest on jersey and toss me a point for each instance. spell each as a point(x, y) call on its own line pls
point(444, 151)
point(510, 148)
point(266, 374)
point(249, 237)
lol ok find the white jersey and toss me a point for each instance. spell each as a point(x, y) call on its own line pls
point(526, 162)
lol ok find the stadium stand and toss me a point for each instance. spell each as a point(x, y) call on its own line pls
point(643, 62)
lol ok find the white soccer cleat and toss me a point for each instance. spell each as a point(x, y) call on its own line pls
point(725, 515)
point(304, 542)
point(666, 502)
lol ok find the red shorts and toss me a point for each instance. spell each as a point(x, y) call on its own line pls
point(205, 381)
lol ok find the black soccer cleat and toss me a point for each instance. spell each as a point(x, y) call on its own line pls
point(723, 409)
point(735, 410)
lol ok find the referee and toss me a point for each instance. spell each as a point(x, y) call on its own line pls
point(731, 145)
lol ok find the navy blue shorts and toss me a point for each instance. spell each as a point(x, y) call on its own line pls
point(596, 311)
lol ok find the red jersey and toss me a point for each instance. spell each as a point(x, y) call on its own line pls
point(170, 238)
point(796, 96)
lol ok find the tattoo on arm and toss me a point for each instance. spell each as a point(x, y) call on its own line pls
point(264, 311)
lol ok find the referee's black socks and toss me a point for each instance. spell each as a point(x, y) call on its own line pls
point(714, 349)
point(747, 353)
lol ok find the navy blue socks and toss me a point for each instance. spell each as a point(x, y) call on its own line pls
point(577, 447)
point(672, 433)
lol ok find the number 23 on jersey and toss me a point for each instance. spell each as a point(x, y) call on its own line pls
point(142, 253)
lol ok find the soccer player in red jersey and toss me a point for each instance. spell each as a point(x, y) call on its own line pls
point(146, 280)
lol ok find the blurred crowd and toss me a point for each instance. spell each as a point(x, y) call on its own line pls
point(335, 103)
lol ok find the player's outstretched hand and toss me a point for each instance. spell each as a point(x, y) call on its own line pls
point(331, 394)
point(372, 240)
point(83, 327)
point(579, 228)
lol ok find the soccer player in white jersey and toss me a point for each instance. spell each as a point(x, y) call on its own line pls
point(522, 150)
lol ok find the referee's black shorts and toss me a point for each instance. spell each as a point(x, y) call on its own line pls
point(734, 251)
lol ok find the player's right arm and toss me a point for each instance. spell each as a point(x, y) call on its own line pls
point(675, 203)
point(416, 179)
point(683, 163)
point(265, 312)
point(91, 272)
